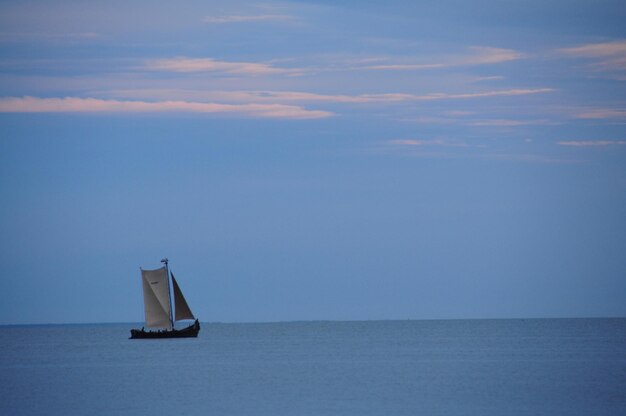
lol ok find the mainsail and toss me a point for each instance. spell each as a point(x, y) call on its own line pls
point(181, 307)
point(156, 298)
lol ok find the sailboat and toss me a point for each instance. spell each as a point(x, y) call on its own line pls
point(157, 302)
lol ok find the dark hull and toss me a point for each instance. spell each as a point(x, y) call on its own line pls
point(190, 332)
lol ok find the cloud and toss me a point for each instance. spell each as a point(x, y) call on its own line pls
point(406, 67)
point(478, 55)
point(602, 114)
point(95, 105)
point(593, 143)
point(309, 97)
point(448, 96)
point(183, 64)
point(433, 142)
point(247, 18)
point(445, 148)
point(497, 93)
point(482, 55)
point(291, 96)
point(460, 118)
point(593, 50)
point(508, 122)
point(609, 56)
point(491, 78)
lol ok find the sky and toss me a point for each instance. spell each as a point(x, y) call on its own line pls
point(313, 160)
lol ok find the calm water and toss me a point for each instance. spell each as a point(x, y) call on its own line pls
point(479, 367)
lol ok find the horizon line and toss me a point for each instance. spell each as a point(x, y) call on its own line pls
point(318, 320)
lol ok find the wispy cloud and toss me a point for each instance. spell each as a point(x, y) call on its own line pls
point(247, 18)
point(591, 50)
point(509, 122)
point(603, 113)
point(443, 148)
point(405, 67)
point(496, 93)
point(455, 96)
point(182, 64)
point(607, 56)
point(461, 119)
point(309, 97)
point(481, 55)
point(95, 105)
point(478, 55)
point(491, 78)
point(593, 143)
point(431, 142)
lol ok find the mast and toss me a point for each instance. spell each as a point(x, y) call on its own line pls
point(169, 293)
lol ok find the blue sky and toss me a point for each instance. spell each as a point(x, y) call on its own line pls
point(309, 160)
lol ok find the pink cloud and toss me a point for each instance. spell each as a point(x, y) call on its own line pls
point(479, 55)
point(433, 142)
point(482, 55)
point(608, 56)
point(211, 65)
point(93, 105)
point(507, 122)
point(593, 143)
point(247, 18)
point(406, 67)
point(513, 92)
point(290, 96)
point(303, 97)
point(597, 49)
point(602, 114)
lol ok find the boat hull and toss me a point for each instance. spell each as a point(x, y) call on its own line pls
point(190, 332)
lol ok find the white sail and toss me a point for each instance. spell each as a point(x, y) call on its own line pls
point(181, 307)
point(156, 298)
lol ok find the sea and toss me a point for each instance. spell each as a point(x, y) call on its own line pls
point(412, 367)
